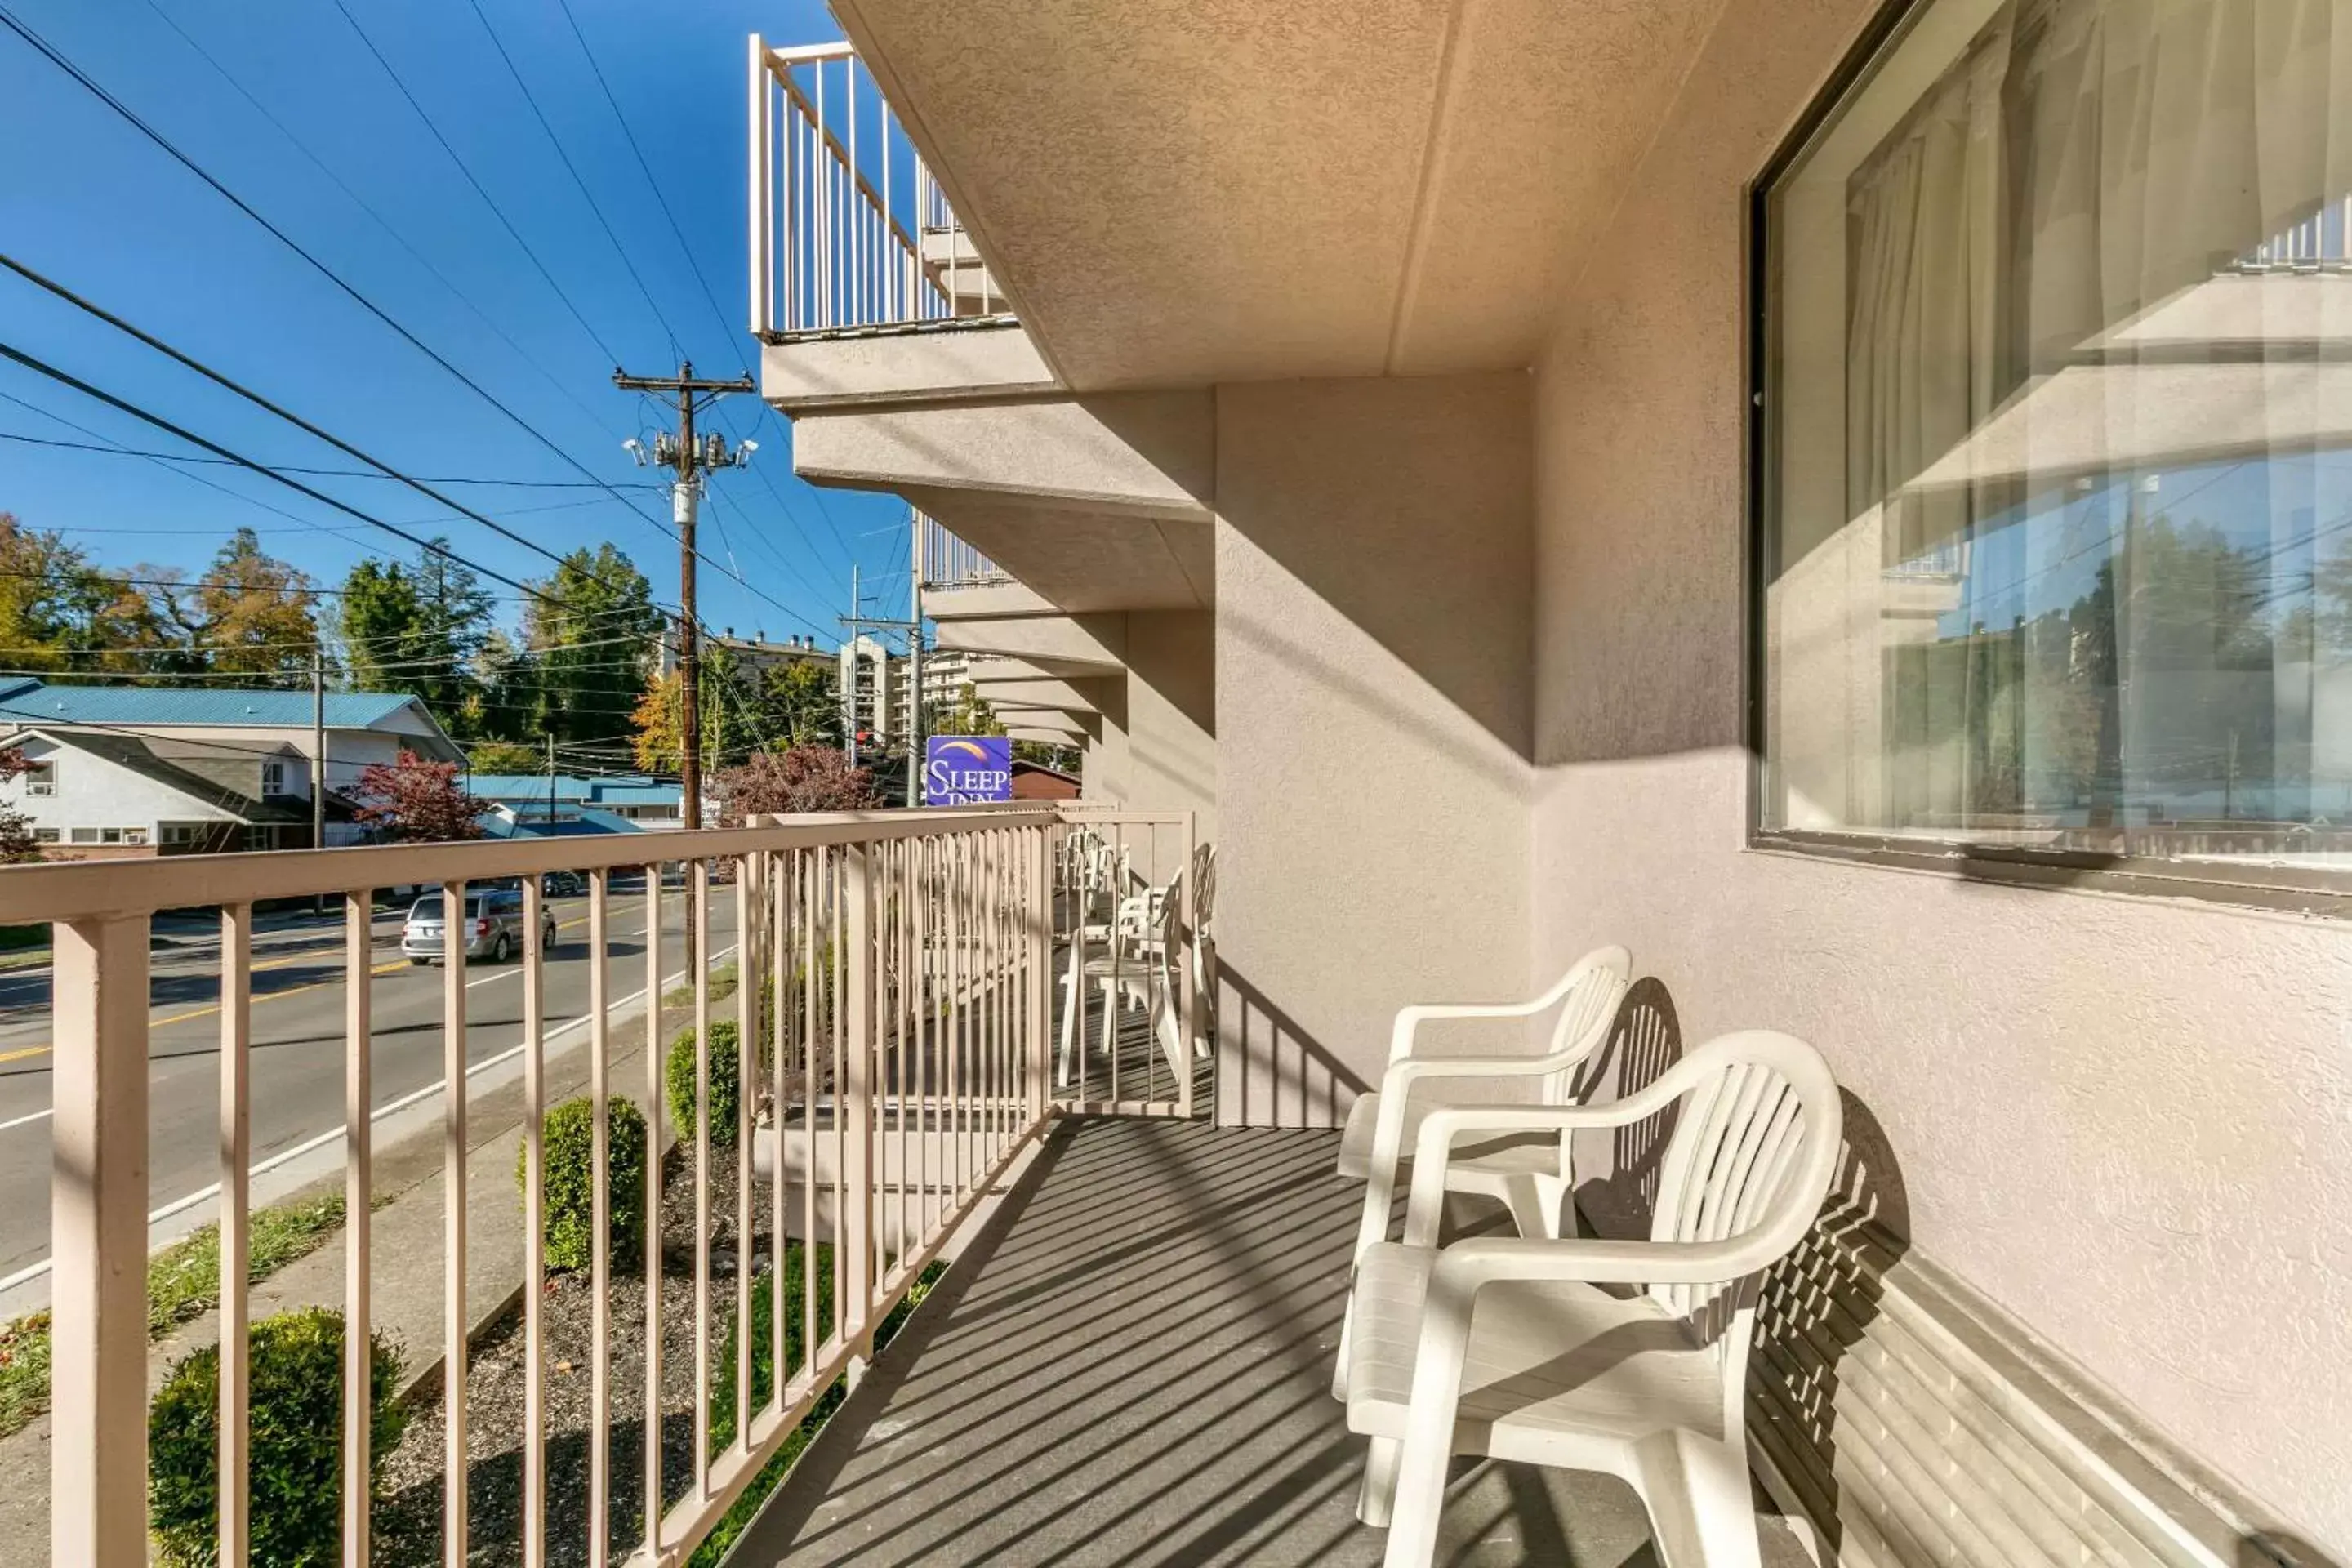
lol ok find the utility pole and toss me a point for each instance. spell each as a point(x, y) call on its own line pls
point(689, 460)
point(915, 667)
point(857, 622)
point(550, 775)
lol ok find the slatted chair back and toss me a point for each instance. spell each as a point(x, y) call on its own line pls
point(1754, 1146)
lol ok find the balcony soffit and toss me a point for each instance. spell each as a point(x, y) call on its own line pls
point(1236, 189)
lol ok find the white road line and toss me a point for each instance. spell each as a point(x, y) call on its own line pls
point(178, 1206)
point(21, 1121)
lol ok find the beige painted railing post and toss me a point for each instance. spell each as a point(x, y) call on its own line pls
point(857, 1104)
point(1041, 972)
point(1189, 887)
point(97, 1375)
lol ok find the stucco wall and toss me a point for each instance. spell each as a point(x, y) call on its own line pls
point(1372, 625)
point(2129, 1121)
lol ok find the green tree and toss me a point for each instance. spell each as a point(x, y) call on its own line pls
point(800, 704)
point(507, 698)
point(969, 714)
point(591, 643)
point(419, 629)
point(504, 757)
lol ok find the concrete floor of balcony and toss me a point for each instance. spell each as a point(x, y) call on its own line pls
point(1135, 1368)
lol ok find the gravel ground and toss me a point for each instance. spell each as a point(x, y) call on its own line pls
point(408, 1515)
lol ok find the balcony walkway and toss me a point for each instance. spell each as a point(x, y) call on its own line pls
point(1137, 1370)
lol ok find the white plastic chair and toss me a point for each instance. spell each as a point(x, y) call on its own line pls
point(1135, 967)
point(1531, 1178)
point(1510, 1347)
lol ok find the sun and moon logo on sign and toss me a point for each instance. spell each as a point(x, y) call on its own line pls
point(963, 770)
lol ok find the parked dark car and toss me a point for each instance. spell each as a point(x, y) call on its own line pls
point(562, 884)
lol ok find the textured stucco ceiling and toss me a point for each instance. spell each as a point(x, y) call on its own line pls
point(1194, 190)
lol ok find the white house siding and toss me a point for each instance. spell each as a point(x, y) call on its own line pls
point(95, 791)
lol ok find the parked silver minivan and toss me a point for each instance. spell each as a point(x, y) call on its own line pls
point(493, 928)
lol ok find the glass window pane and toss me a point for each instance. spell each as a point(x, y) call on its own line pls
point(2058, 443)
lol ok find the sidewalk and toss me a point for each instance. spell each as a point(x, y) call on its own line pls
point(407, 1258)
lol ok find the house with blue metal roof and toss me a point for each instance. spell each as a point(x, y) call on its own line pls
point(636, 798)
point(132, 769)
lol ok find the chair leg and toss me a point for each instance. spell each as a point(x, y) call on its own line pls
point(1073, 1001)
point(1421, 1498)
point(1700, 1507)
point(1377, 1500)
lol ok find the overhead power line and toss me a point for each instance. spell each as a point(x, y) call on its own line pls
point(218, 378)
point(66, 378)
point(318, 473)
point(90, 84)
point(382, 221)
point(571, 169)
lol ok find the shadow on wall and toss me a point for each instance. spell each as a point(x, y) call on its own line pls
point(1271, 1072)
point(1822, 1298)
point(2269, 1549)
point(1334, 682)
point(1407, 505)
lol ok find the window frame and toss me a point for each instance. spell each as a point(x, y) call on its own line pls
point(2249, 884)
point(41, 779)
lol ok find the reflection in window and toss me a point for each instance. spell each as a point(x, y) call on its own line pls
point(2059, 444)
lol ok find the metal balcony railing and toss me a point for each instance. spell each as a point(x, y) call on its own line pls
point(898, 995)
point(944, 560)
point(850, 229)
point(2320, 242)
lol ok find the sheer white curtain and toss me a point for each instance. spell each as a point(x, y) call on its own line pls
point(2052, 354)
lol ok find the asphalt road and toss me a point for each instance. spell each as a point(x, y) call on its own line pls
point(298, 1034)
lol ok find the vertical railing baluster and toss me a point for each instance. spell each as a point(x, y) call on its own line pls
point(778, 885)
point(600, 1222)
point(959, 1042)
point(454, 931)
point(97, 1206)
point(1189, 936)
point(810, 980)
point(358, 1213)
point(839, 1001)
point(698, 949)
point(762, 177)
point(857, 1112)
point(534, 1231)
point(653, 1239)
point(236, 1160)
point(747, 1067)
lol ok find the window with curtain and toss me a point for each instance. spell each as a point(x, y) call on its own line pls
point(2057, 436)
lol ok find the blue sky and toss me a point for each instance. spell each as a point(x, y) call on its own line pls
point(88, 201)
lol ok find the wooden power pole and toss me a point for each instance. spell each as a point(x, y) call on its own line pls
point(689, 457)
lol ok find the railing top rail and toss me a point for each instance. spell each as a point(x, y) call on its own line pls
point(810, 54)
point(94, 890)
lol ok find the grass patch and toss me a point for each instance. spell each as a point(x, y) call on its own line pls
point(722, 986)
point(723, 1535)
point(182, 1284)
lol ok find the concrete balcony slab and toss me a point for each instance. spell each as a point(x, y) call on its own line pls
point(1142, 454)
point(1095, 642)
point(931, 363)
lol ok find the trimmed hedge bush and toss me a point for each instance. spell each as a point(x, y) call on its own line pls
point(725, 1083)
point(296, 1362)
point(571, 1214)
